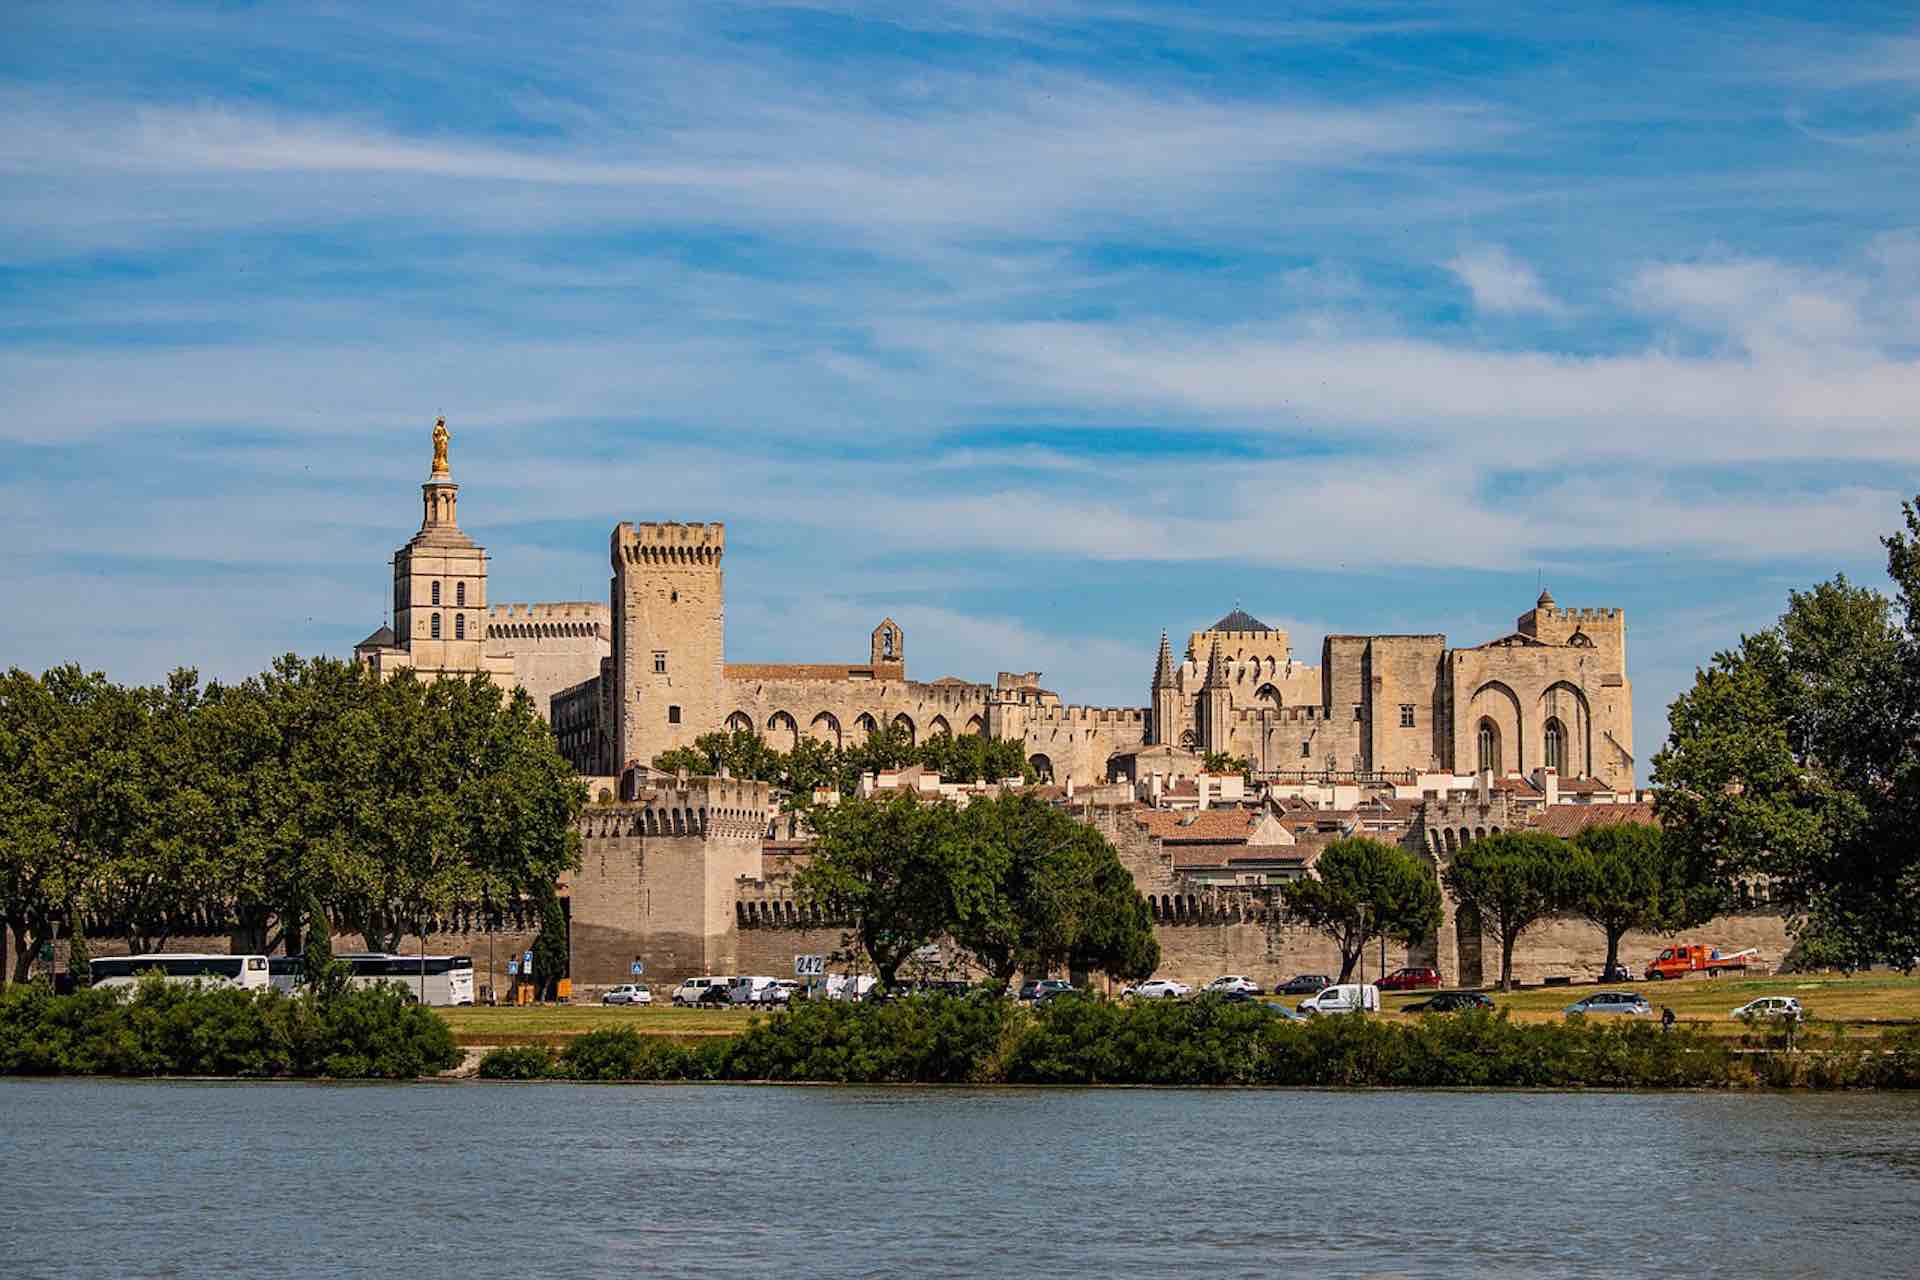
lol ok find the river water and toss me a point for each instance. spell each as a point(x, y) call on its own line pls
point(190, 1179)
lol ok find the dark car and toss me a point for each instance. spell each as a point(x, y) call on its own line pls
point(1450, 1002)
point(715, 995)
point(1034, 988)
point(1237, 997)
point(1049, 994)
point(1305, 984)
point(949, 988)
point(1411, 978)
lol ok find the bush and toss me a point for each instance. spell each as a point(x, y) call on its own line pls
point(163, 1029)
point(517, 1062)
point(924, 1039)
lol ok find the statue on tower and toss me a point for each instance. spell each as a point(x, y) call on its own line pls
point(440, 437)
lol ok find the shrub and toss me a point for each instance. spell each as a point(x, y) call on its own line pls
point(517, 1062)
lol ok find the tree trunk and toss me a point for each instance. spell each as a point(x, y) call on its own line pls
point(24, 945)
point(1613, 948)
point(1506, 959)
point(1348, 959)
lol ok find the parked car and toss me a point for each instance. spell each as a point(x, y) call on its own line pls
point(1785, 1008)
point(1304, 984)
point(1618, 973)
point(1031, 989)
point(1411, 978)
point(1449, 1002)
point(628, 993)
point(690, 991)
point(1161, 989)
point(1628, 1002)
point(750, 990)
point(1345, 997)
point(782, 991)
point(715, 996)
point(1231, 982)
point(1060, 991)
point(1281, 1011)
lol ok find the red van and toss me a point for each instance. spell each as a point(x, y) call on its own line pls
point(1410, 979)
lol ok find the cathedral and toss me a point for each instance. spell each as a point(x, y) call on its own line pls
point(646, 671)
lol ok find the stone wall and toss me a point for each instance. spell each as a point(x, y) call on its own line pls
point(551, 646)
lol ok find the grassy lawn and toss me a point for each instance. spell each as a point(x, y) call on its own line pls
point(1867, 1002)
point(555, 1024)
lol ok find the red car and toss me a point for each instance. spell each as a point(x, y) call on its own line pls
point(1410, 979)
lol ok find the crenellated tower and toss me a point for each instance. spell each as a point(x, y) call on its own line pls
point(668, 600)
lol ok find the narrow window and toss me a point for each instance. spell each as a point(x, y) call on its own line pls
point(459, 626)
point(1406, 715)
point(460, 594)
point(1306, 750)
point(436, 619)
point(1358, 713)
point(1556, 747)
point(673, 715)
point(659, 662)
point(436, 591)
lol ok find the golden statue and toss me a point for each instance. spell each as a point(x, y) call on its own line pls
point(440, 437)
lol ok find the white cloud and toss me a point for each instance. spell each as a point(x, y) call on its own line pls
point(1501, 283)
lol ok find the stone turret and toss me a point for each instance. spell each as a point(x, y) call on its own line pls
point(1165, 728)
point(1216, 704)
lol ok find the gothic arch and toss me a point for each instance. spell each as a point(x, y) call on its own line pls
point(1042, 767)
point(1565, 702)
point(1268, 696)
point(1487, 756)
point(939, 727)
point(903, 723)
point(976, 726)
point(739, 722)
point(783, 734)
point(864, 727)
point(1495, 703)
point(825, 728)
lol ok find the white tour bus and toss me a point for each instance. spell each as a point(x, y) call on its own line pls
point(449, 979)
point(249, 973)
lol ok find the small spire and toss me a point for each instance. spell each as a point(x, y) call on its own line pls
point(1216, 674)
point(1163, 665)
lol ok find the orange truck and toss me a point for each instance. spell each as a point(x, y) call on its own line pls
point(1678, 962)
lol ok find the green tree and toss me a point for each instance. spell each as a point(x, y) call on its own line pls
point(325, 976)
point(1362, 889)
point(1509, 882)
point(1033, 888)
point(889, 866)
point(1795, 757)
point(550, 949)
point(1225, 762)
point(1626, 875)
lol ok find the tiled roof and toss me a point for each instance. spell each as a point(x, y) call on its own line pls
point(1188, 824)
point(1240, 620)
point(1569, 819)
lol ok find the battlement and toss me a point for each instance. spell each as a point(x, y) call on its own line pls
point(582, 618)
point(1088, 715)
point(668, 543)
point(1584, 615)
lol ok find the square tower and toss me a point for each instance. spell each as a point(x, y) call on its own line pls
point(669, 630)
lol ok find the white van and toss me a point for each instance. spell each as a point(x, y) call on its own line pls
point(751, 990)
point(840, 986)
point(1346, 997)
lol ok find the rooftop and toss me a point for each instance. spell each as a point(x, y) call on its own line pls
point(1239, 620)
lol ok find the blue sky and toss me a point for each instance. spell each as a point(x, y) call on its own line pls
point(1039, 326)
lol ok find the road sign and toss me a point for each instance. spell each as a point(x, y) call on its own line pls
point(527, 961)
point(809, 966)
point(637, 969)
point(513, 968)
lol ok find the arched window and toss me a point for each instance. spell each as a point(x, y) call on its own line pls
point(459, 626)
point(460, 594)
point(436, 591)
point(1489, 748)
point(1556, 747)
point(436, 617)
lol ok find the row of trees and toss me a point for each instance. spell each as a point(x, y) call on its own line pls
point(812, 764)
point(314, 790)
point(1018, 884)
point(1622, 877)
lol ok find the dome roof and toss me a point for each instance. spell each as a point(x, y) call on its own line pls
point(1545, 601)
point(1239, 620)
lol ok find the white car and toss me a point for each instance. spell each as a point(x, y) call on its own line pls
point(1772, 1007)
point(628, 993)
point(1231, 982)
point(1162, 989)
point(1346, 997)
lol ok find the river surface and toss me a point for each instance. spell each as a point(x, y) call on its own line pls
point(271, 1180)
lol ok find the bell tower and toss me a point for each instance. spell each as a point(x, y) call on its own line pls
point(440, 579)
